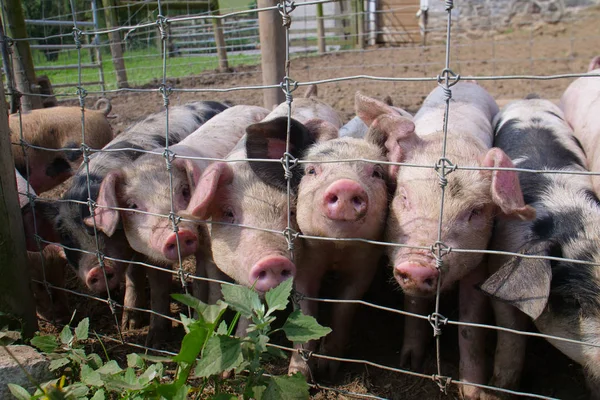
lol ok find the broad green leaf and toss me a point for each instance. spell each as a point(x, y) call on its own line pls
point(130, 376)
point(82, 329)
point(258, 392)
point(181, 394)
point(150, 373)
point(213, 312)
point(300, 328)
point(66, 336)
point(99, 395)
point(153, 358)
point(135, 361)
point(117, 383)
point(192, 344)
point(286, 388)
point(186, 322)
point(261, 343)
point(110, 368)
point(78, 390)
point(223, 328)
point(221, 353)
point(19, 392)
point(94, 360)
point(90, 377)
point(47, 344)
point(60, 362)
point(241, 299)
point(277, 298)
point(189, 301)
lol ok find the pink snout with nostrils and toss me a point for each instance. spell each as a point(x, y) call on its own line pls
point(345, 200)
point(270, 271)
point(416, 278)
point(95, 281)
point(188, 244)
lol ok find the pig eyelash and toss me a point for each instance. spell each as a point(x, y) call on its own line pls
point(476, 211)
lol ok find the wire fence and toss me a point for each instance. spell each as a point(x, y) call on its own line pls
point(166, 28)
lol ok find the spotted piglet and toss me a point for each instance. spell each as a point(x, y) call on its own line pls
point(472, 198)
point(562, 296)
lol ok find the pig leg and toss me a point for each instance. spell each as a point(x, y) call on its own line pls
point(200, 286)
point(135, 296)
point(308, 287)
point(214, 288)
point(473, 307)
point(160, 286)
point(354, 287)
point(417, 333)
point(510, 350)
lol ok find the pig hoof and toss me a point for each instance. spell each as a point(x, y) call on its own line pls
point(471, 393)
point(297, 364)
point(227, 374)
point(131, 320)
point(411, 359)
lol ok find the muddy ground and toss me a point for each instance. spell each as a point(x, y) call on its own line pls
point(534, 49)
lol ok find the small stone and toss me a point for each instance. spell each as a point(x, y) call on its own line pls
point(34, 363)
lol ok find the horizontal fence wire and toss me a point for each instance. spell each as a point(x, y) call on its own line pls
point(286, 8)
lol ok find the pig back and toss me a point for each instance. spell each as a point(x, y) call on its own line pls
point(471, 112)
point(304, 109)
point(219, 135)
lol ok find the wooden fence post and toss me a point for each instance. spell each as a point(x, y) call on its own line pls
point(320, 29)
point(16, 298)
point(272, 50)
point(115, 42)
point(24, 73)
point(219, 37)
point(361, 24)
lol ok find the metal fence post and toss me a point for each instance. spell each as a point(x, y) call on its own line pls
point(272, 50)
point(16, 298)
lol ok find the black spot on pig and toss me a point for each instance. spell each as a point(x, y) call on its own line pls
point(72, 155)
point(159, 140)
point(563, 226)
point(131, 152)
point(536, 120)
point(268, 140)
point(58, 166)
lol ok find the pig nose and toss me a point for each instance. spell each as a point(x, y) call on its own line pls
point(188, 243)
point(95, 279)
point(270, 271)
point(415, 276)
point(345, 200)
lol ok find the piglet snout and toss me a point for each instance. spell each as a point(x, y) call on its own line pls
point(270, 271)
point(188, 243)
point(95, 279)
point(414, 276)
point(345, 200)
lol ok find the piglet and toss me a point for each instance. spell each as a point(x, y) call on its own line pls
point(356, 128)
point(142, 188)
point(56, 128)
point(562, 297)
point(345, 200)
point(472, 198)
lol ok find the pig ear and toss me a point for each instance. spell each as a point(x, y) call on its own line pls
point(523, 282)
point(192, 170)
point(369, 109)
point(594, 64)
point(107, 219)
point(322, 130)
point(505, 188)
point(267, 140)
point(395, 135)
point(46, 213)
point(213, 177)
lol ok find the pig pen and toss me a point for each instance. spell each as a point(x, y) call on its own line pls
point(546, 49)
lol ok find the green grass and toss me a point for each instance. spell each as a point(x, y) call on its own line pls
point(229, 5)
point(143, 66)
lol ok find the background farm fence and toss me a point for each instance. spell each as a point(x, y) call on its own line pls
point(286, 82)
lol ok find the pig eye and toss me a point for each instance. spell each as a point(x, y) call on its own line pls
point(311, 171)
point(228, 215)
point(132, 205)
point(377, 172)
point(475, 212)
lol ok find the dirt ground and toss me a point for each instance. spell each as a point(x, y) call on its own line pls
point(566, 47)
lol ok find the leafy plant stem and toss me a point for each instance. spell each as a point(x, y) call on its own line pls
point(103, 347)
